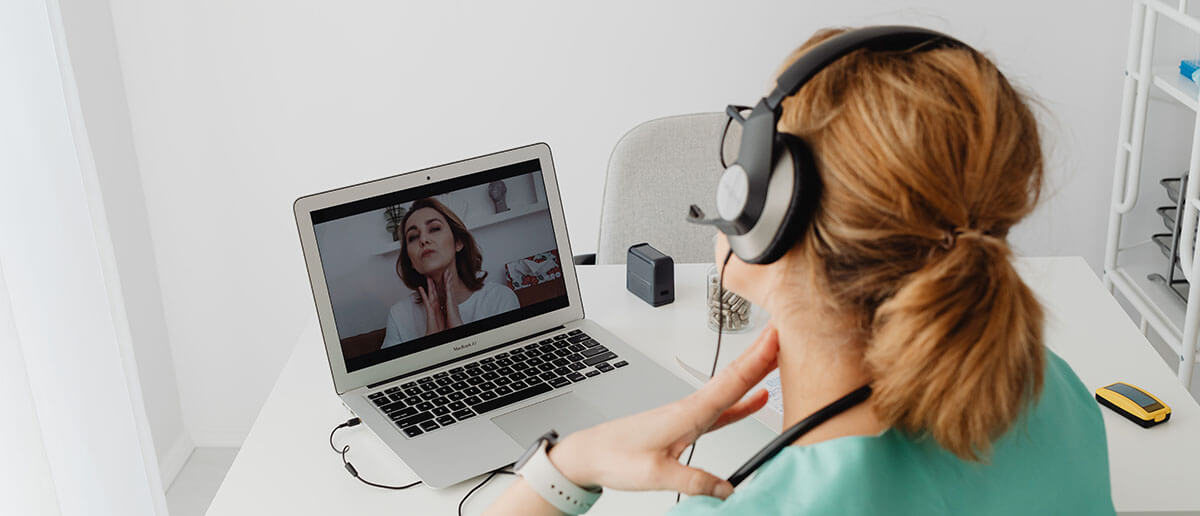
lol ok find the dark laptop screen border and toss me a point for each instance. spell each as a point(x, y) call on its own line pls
point(430, 190)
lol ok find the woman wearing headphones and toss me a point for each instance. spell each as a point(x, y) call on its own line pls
point(902, 281)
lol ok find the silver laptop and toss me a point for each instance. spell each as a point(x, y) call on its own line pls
point(452, 318)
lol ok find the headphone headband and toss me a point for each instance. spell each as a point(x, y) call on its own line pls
point(881, 38)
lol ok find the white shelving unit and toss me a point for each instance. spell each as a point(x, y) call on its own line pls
point(1126, 269)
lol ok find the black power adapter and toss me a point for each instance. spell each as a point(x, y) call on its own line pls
point(650, 274)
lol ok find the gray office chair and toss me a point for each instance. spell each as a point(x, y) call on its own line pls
point(655, 172)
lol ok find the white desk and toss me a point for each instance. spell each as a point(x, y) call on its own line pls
point(286, 467)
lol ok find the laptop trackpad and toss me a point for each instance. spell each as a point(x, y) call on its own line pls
point(565, 414)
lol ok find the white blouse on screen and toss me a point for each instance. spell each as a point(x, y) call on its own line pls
point(406, 319)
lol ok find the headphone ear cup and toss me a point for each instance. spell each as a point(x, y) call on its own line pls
point(805, 194)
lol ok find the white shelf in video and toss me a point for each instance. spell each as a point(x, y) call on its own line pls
point(474, 223)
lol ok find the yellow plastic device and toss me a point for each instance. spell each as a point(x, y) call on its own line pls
point(1134, 403)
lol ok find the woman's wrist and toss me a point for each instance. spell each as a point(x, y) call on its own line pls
point(567, 456)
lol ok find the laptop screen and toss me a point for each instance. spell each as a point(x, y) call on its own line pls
point(417, 268)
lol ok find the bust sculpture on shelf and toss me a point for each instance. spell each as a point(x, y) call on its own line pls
point(497, 191)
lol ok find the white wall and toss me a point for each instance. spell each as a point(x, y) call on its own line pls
point(63, 313)
point(26, 485)
point(240, 106)
point(93, 53)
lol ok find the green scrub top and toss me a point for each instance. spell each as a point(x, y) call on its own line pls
point(1053, 461)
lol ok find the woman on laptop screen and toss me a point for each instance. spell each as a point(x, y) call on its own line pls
point(440, 261)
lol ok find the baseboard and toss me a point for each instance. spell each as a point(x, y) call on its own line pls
point(171, 463)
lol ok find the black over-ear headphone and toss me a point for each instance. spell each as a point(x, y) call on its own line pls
point(765, 199)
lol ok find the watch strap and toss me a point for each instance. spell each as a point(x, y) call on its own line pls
point(547, 481)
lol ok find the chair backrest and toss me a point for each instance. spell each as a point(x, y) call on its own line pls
point(655, 172)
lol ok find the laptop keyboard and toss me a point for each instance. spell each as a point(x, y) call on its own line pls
point(445, 398)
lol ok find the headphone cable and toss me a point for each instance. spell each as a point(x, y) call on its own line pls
point(720, 330)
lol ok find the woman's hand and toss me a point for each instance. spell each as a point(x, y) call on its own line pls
point(435, 319)
point(641, 452)
point(453, 318)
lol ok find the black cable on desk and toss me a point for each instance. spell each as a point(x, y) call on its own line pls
point(479, 485)
point(350, 467)
point(354, 472)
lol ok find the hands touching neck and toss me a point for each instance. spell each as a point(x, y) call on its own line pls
point(442, 293)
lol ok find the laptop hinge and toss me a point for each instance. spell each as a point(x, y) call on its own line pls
point(464, 357)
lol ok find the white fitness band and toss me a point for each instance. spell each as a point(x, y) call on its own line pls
point(547, 481)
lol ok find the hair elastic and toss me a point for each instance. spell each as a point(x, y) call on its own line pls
point(950, 237)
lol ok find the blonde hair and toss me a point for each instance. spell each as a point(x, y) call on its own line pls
point(928, 158)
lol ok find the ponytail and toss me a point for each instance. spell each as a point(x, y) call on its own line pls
point(957, 352)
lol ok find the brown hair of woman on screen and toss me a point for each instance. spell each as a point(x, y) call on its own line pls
point(468, 261)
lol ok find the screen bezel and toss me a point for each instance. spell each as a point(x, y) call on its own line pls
point(345, 381)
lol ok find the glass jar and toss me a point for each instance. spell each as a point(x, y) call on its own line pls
point(736, 310)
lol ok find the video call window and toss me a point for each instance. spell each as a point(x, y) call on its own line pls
point(410, 270)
